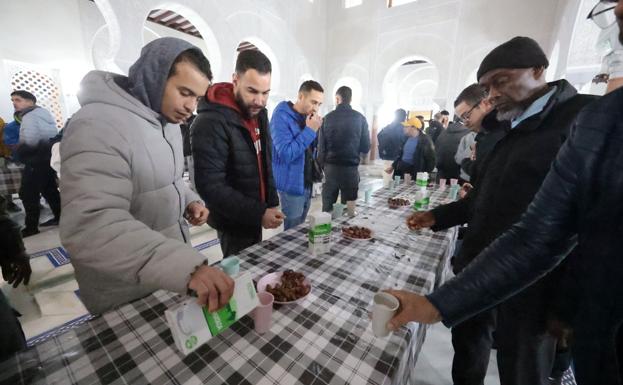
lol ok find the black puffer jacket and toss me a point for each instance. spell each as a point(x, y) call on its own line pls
point(579, 202)
point(512, 174)
point(343, 137)
point(434, 129)
point(226, 170)
point(445, 147)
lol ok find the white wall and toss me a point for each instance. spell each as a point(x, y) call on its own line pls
point(49, 38)
point(454, 35)
point(318, 39)
point(75, 36)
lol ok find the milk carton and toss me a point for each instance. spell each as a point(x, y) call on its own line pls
point(319, 234)
point(422, 199)
point(191, 325)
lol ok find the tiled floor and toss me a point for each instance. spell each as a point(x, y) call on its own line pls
point(50, 300)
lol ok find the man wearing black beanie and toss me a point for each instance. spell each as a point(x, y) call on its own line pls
point(541, 115)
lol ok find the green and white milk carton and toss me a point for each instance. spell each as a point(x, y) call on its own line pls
point(192, 325)
point(319, 234)
point(422, 198)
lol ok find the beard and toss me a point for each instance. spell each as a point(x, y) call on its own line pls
point(245, 109)
point(510, 114)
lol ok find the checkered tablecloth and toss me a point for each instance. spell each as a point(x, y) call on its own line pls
point(10, 180)
point(324, 340)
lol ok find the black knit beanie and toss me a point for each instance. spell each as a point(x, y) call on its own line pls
point(519, 52)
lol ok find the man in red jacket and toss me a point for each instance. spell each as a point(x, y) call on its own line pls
point(231, 147)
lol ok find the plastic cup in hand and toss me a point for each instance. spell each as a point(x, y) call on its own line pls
point(263, 313)
point(350, 208)
point(231, 266)
point(454, 182)
point(383, 309)
point(338, 211)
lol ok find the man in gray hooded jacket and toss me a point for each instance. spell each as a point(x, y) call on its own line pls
point(123, 196)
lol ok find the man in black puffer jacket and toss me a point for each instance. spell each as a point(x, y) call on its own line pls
point(342, 138)
point(231, 148)
point(579, 202)
point(445, 147)
point(541, 115)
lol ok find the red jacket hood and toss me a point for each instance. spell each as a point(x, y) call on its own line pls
point(223, 93)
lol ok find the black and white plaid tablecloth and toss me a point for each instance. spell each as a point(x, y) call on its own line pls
point(324, 340)
point(10, 180)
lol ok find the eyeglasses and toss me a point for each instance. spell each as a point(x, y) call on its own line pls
point(465, 117)
point(602, 13)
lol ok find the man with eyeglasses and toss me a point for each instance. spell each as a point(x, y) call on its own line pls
point(476, 112)
point(541, 115)
point(579, 204)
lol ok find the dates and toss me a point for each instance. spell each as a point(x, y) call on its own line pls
point(357, 232)
point(292, 287)
point(394, 203)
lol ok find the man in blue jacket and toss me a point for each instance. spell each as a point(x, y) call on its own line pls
point(294, 127)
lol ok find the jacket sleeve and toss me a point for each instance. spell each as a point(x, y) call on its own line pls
point(11, 242)
point(429, 155)
point(467, 165)
point(29, 130)
point(191, 196)
point(527, 251)
point(211, 149)
point(272, 199)
point(452, 214)
point(322, 146)
point(97, 226)
point(364, 144)
point(289, 142)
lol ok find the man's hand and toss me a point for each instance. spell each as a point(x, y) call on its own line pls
point(473, 154)
point(389, 170)
point(421, 220)
point(561, 330)
point(16, 269)
point(465, 189)
point(413, 308)
point(213, 287)
point(196, 213)
point(313, 121)
point(272, 218)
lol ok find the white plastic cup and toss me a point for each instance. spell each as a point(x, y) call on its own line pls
point(350, 208)
point(263, 313)
point(383, 310)
point(454, 182)
point(368, 196)
point(338, 211)
point(407, 179)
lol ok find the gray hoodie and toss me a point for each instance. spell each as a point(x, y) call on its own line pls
point(122, 190)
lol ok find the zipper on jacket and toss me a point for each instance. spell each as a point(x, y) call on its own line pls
point(179, 194)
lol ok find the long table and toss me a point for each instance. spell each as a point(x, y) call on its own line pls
point(10, 179)
point(324, 340)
